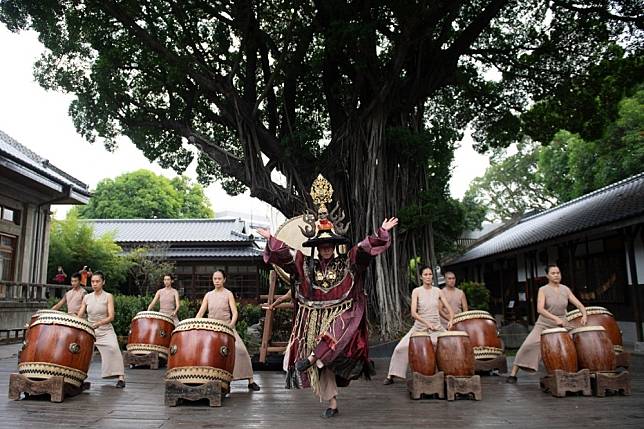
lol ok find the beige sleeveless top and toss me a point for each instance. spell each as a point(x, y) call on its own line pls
point(453, 298)
point(74, 299)
point(556, 303)
point(97, 308)
point(218, 306)
point(166, 300)
point(427, 307)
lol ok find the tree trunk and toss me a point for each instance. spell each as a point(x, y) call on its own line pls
point(373, 183)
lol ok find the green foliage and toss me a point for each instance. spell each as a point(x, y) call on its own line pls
point(588, 104)
point(568, 167)
point(147, 266)
point(125, 308)
point(144, 195)
point(511, 185)
point(72, 245)
point(250, 313)
point(448, 217)
point(188, 308)
point(302, 70)
point(282, 324)
point(571, 166)
point(478, 296)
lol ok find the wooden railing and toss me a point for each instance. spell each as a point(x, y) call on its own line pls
point(30, 292)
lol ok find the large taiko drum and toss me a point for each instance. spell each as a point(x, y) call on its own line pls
point(454, 354)
point(202, 350)
point(599, 316)
point(150, 331)
point(484, 336)
point(421, 354)
point(57, 345)
point(594, 349)
point(558, 350)
point(39, 313)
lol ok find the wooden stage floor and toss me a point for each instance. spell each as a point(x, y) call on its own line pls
point(363, 405)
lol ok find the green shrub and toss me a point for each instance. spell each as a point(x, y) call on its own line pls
point(125, 308)
point(250, 313)
point(478, 296)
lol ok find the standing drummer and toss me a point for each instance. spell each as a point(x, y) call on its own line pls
point(220, 305)
point(99, 306)
point(426, 301)
point(73, 297)
point(552, 302)
point(168, 299)
point(454, 296)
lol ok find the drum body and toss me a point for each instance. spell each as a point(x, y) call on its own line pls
point(202, 350)
point(594, 349)
point(454, 354)
point(481, 328)
point(421, 354)
point(57, 345)
point(599, 316)
point(558, 350)
point(150, 331)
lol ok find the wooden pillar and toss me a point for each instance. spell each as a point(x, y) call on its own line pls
point(502, 289)
point(571, 268)
point(630, 234)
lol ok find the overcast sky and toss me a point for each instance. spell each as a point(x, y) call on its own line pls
point(39, 120)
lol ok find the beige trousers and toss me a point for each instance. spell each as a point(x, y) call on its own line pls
point(108, 347)
point(400, 358)
point(243, 367)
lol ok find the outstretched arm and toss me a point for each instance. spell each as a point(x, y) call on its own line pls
point(277, 252)
point(374, 245)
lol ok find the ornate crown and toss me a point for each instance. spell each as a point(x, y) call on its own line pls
point(322, 226)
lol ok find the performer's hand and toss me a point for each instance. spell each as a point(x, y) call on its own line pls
point(559, 322)
point(584, 320)
point(95, 325)
point(449, 325)
point(264, 232)
point(388, 224)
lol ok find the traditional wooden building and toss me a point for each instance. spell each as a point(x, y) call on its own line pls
point(198, 247)
point(29, 186)
point(597, 240)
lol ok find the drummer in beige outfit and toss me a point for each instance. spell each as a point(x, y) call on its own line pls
point(220, 304)
point(426, 301)
point(99, 306)
point(454, 296)
point(168, 299)
point(552, 303)
point(73, 297)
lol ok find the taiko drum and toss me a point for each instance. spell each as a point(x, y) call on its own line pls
point(422, 358)
point(150, 331)
point(594, 349)
point(599, 316)
point(483, 333)
point(202, 350)
point(57, 345)
point(454, 354)
point(558, 350)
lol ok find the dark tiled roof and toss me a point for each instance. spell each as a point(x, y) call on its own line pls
point(213, 252)
point(172, 230)
point(11, 149)
point(614, 203)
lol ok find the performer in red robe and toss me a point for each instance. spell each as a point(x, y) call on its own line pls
point(329, 342)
